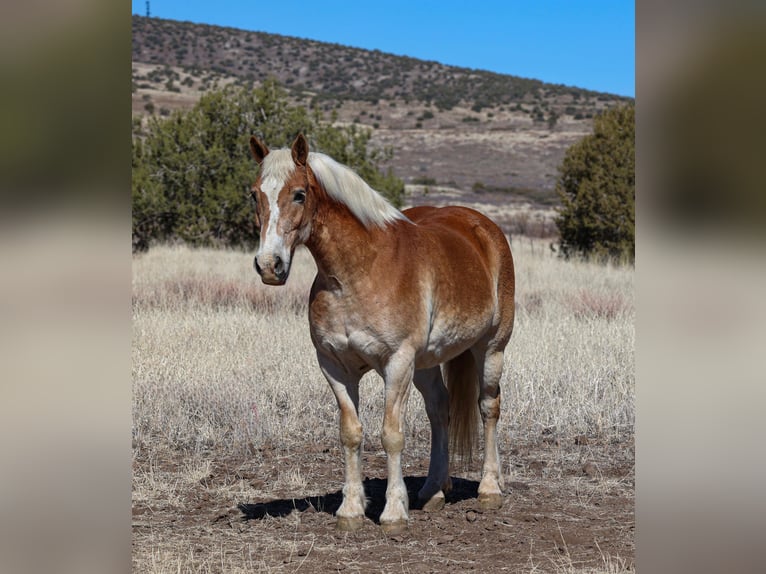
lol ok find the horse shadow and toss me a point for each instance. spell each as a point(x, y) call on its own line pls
point(374, 490)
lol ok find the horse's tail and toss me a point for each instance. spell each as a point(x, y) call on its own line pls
point(462, 381)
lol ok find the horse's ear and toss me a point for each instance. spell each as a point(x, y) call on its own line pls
point(258, 149)
point(300, 150)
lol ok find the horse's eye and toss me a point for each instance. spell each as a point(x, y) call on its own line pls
point(299, 196)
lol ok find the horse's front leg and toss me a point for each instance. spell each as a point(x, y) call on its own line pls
point(345, 386)
point(398, 379)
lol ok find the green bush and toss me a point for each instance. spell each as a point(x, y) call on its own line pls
point(192, 171)
point(596, 186)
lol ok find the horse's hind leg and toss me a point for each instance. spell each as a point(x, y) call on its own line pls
point(431, 385)
point(345, 386)
point(490, 364)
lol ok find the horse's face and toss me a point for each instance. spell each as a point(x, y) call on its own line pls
point(283, 208)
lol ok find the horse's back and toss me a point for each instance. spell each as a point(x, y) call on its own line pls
point(473, 259)
point(463, 221)
point(456, 225)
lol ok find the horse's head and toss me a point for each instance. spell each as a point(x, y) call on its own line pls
point(284, 206)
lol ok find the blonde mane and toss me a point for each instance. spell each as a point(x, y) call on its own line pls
point(341, 183)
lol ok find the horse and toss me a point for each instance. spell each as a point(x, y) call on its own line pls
point(423, 296)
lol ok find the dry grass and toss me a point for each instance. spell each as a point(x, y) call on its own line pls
point(563, 564)
point(222, 362)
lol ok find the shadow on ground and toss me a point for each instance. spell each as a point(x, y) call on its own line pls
point(374, 489)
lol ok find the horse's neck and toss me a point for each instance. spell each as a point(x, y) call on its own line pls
point(341, 246)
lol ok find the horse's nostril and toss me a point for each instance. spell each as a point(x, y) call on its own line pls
point(278, 265)
point(257, 267)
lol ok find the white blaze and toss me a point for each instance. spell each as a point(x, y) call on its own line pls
point(272, 244)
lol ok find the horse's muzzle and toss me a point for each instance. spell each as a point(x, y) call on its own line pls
point(274, 271)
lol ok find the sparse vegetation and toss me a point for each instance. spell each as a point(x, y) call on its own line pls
point(537, 197)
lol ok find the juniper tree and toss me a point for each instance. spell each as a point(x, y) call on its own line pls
point(596, 186)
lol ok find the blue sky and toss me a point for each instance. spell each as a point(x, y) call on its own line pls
point(585, 43)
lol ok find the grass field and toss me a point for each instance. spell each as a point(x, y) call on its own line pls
point(224, 369)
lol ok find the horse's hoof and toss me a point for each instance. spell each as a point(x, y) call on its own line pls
point(394, 528)
point(490, 501)
point(435, 504)
point(349, 524)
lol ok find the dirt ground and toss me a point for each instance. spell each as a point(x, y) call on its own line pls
point(569, 507)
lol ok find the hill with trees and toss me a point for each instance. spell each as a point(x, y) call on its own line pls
point(332, 72)
point(456, 126)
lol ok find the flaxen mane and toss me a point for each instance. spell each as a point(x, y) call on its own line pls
point(341, 183)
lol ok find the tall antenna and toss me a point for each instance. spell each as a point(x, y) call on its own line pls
point(148, 12)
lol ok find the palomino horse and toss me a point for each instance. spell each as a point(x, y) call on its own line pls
point(404, 293)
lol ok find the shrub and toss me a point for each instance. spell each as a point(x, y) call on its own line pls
point(553, 118)
point(596, 186)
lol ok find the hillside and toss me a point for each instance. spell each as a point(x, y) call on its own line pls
point(471, 135)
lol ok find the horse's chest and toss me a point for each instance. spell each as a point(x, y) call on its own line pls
point(345, 332)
